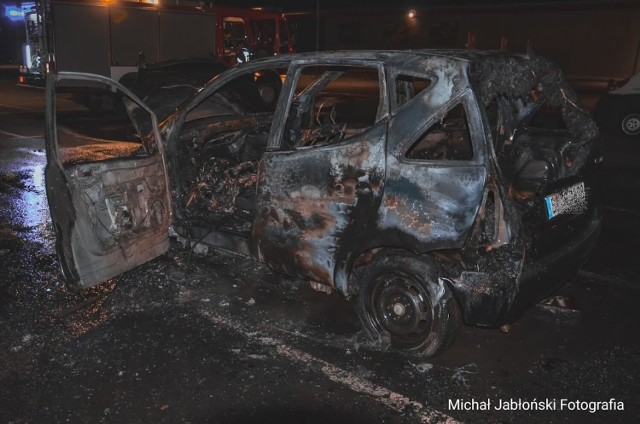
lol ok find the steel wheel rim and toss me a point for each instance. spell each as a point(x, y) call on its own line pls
point(631, 124)
point(401, 306)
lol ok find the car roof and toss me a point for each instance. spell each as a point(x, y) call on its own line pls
point(493, 73)
point(462, 55)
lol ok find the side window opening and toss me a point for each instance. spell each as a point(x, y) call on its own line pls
point(447, 139)
point(332, 103)
point(96, 123)
point(407, 87)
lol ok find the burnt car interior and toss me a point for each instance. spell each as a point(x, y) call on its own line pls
point(532, 145)
point(326, 108)
point(222, 140)
point(447, 139)
point(516, 125)
point(224, 137)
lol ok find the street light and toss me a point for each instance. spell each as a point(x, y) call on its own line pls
point(411, 14)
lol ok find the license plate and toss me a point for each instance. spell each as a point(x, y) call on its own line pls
point(571, 200)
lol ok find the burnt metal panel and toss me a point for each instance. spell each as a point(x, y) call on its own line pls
point(311, 200)
point(431, 204)
point(108, 216)
point(122, 216)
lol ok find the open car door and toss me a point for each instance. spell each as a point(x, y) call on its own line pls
point(106, 178)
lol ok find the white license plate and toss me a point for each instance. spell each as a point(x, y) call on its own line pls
point(571, 200)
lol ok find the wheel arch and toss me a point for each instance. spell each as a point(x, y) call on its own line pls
point(428, 313)
point(347, 275)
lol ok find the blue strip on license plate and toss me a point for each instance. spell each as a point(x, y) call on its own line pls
point(571, 200)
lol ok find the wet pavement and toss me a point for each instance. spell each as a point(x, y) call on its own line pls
point(222, 339)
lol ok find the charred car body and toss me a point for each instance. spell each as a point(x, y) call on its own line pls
point(431, 185)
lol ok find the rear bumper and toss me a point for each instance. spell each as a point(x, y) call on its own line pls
point(491, 298)
point(543, 277)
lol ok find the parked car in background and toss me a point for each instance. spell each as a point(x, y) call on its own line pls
point(163, 86)
point(432, 186)
point(619, 109)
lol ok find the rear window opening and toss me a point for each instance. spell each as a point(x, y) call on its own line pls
point(547, 117)
point(447, 139)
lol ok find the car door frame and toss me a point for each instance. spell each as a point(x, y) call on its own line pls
point(325, 255)
point(432, 204)
point(183, 227)
point(84, 260)
point(173, 139)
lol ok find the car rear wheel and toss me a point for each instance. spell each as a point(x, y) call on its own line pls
point(400, 295)
point(631, 124)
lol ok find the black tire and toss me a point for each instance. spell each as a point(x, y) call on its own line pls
point(399, 295)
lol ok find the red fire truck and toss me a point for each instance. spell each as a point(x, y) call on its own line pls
point(106, 37)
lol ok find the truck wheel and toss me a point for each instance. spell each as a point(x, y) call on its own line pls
point(268, 92)
point(400, 295)
point(631, 124)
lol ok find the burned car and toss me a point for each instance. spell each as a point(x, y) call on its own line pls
point(432, 186)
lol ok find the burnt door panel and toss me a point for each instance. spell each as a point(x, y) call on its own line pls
point(435, 175)
point(106, 179)
point(431, 207)
point(312, 201)
point(319, 199)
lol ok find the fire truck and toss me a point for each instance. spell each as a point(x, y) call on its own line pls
point(110, 37)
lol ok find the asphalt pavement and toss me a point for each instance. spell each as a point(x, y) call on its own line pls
point(222, 339)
